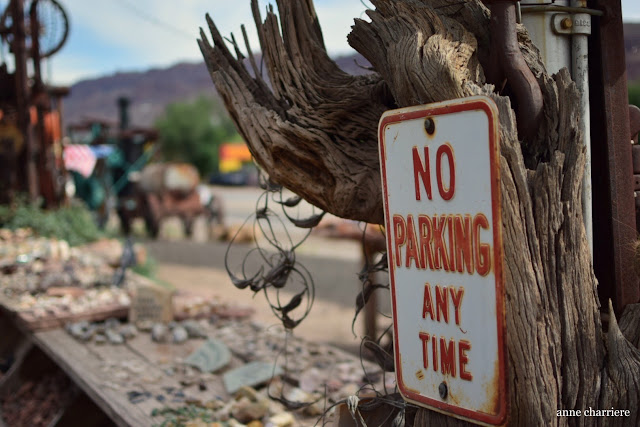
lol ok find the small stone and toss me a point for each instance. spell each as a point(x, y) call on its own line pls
point(111, 323)
point(248, 392)
point(114, 337)
point(235, 423)
point(159, 332)
point(283, 419)
point(255, 423)
point(251, 374)
point(315, 406)
point(88, 333)
point(295, 394)
point(245, 410)
point(100, 339)
point(179, 334)
point(77, 329)
point(312, 380)
point(210, 356)
point(214, 405)
point(128, 331)
point(194, 329)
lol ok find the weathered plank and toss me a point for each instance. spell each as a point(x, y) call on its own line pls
point(86, 368)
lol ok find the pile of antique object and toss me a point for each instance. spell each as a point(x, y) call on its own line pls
point(190, 360)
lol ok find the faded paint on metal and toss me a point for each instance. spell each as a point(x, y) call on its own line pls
point(464, 183)
point(555, 49)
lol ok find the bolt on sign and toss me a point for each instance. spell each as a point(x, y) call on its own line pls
point(441, 187)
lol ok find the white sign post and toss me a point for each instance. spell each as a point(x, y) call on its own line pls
point(441, 188)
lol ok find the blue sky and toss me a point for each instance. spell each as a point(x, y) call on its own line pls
point(108, 36)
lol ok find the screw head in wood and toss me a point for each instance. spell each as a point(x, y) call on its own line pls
point(443, 390)
point(429, 126)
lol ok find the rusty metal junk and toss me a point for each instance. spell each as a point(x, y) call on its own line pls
point(28, 151)
point(181, 178)
point(507, 62)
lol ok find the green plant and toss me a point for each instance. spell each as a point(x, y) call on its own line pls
point(71, 223)
point(193, 131)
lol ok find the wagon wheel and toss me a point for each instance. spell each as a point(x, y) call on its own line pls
point(54, 26)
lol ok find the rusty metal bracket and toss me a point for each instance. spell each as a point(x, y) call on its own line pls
point(564, 23)
point(507, 61)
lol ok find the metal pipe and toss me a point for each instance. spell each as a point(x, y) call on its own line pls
point(123, 110)
point(507, 59)
point(580, 74)
point(559, 51)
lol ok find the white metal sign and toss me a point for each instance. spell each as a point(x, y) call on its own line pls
point(441, 188)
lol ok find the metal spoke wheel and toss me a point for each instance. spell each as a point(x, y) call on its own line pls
point(53, 25)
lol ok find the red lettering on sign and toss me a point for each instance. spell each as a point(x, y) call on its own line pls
point(412, 245)
point(463, 347)
point(399, 236)
point(453, 355)
point(442, 303)
point(456, 298)
point(446, 192)
point(464, 243)
point(423, 171)
point(442, 242)
point(434, 350)
point(448, 354)
point(482, 250)
point(452, 246)
point(427, 305)
point(439, 246)
point(425, 341)
point(424, 228)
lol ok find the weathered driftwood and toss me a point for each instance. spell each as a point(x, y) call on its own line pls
point(311, 128)
point(314, 131)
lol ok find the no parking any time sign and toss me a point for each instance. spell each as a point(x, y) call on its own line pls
point(441, 188)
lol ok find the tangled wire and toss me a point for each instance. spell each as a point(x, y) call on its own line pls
point(271, 267)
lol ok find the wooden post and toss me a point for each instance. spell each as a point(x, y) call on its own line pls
point(22, 97)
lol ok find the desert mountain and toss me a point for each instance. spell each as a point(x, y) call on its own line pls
point(151, 91)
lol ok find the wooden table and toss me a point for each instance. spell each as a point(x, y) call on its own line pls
point(109, 374)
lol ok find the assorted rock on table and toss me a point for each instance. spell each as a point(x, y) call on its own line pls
point(46, 283)
point(231, 372)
